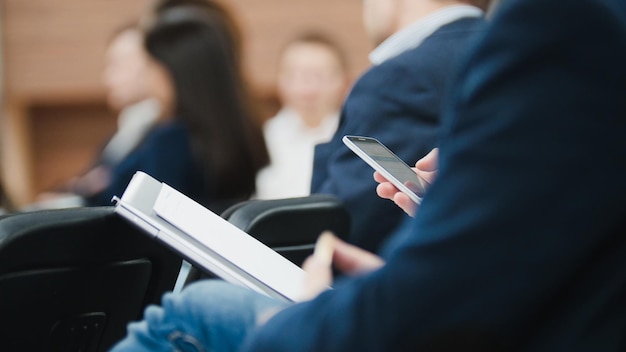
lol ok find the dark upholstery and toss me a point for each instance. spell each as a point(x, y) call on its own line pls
point(71, 279)
point(290, 221)
point(291, 225)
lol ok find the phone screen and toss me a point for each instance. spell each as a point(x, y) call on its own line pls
point(390, 162)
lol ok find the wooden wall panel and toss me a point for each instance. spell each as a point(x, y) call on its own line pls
point(51, 126)
point(58, 45)
point(54, 116)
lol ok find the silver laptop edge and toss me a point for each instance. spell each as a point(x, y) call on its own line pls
point(184, 244)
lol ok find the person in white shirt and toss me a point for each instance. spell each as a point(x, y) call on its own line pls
point(312, 81)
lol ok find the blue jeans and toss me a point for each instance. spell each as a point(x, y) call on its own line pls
point(207, 316)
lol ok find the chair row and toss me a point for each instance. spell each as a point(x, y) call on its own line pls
point(72, 279)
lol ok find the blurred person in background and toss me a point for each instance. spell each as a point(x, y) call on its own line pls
point(205, 141)
point(125, 77)
point(218, 7)
point(312, 80)
point(126, 80)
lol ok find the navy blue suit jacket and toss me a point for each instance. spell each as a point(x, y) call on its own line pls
point(165, 154)
point(522, 239)
point(399, 102)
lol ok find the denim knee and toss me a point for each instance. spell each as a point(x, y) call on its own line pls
point(209, 315)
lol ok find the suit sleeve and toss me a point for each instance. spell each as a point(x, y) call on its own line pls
point(520, 240)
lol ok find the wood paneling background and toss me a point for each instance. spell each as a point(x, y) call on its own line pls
point(54, 118)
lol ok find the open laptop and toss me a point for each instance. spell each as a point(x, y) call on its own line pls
point(207, 240)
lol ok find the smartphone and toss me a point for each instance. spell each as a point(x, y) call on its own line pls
point(383, 160)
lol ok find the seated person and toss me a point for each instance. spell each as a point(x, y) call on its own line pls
point(205, 142)
point(312, 79)
point(518, 245)
point(125, 79)
point(398, 101)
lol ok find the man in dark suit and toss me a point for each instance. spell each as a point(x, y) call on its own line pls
point(522, 238)
point(398, 101)
point(521, 241)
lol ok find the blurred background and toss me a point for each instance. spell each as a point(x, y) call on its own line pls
point(54, 117)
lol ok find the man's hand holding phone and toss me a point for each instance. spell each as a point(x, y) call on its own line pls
point(425, 168)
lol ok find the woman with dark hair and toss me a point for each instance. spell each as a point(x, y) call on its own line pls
point(206, 143)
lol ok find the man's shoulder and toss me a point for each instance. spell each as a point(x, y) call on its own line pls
point(448, 42)
point(467, 26)
point(452, 38)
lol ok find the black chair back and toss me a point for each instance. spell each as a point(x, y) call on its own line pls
point(290, 226)
point(72, 279)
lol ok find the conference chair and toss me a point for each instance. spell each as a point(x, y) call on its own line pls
point(290, 226)
point(71, 279)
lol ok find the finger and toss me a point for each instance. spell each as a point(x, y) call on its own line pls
point(324, 248)
point(309, 264)
point(428, 176)
point(379, 178)
point(319, 274)
point(405, 203)
point(386, 190)
point(318, 277)
point(353, 260)
point(430, 162)
point(318, 267)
